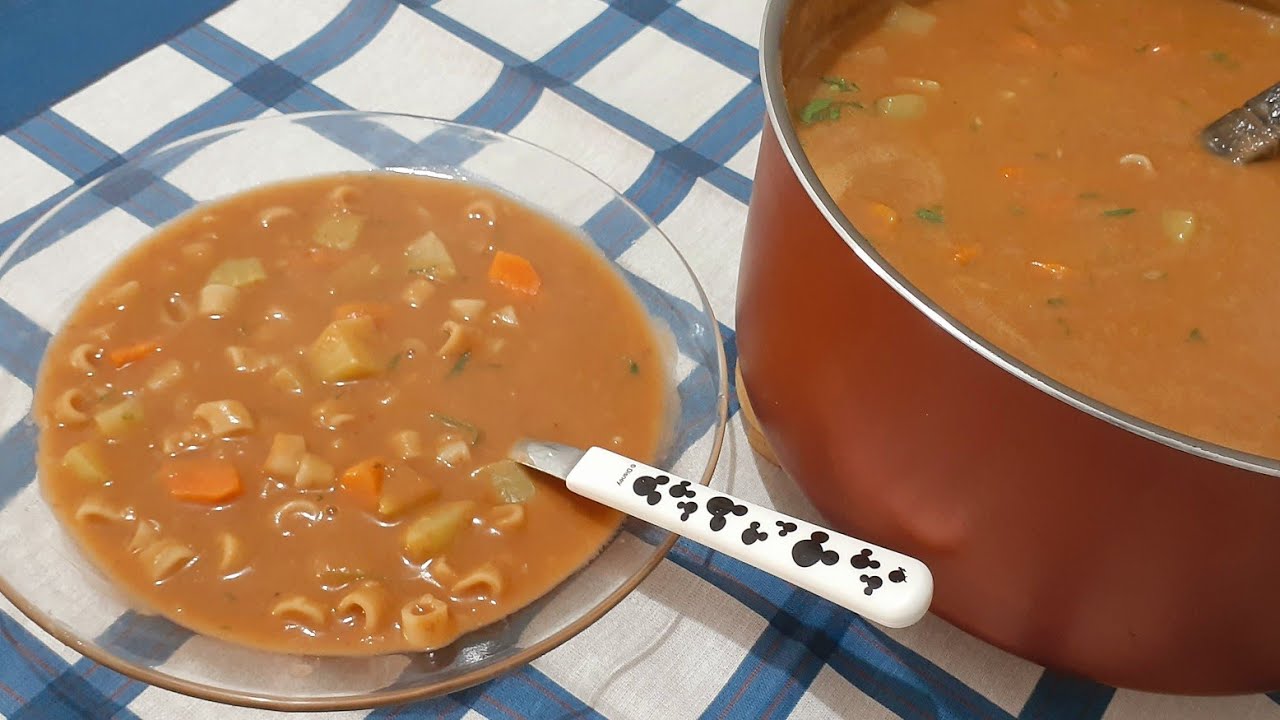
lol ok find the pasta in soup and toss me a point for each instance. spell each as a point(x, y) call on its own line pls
point(1035, 167)
point(283, 419)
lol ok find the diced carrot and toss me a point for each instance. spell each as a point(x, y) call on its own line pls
point(375, 310)
point(132, 353)
point(1025, 41)
point(514, 273)
point(202, 481)
point(364, 481)
point(1056, 270)
point(325, 257)
point(1012, 172)
point(873, 218)
point(966, 254)
point(1077, 53)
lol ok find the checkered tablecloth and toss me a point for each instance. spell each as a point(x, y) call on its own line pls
point(661, 99)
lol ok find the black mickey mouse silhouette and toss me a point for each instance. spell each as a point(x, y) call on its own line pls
point(897, 576)
point(873, 583)
point(863, 560)
point(810, 552)
point(753, 535)
point(646, 487)
point(721, 506)
point(784, 527)
point(687, 508)
point(681, 489)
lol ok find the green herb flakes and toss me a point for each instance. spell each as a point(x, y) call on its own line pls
point(1119, 212)
point(932, 215)
point(1056, 301)
point(825, 110)
point(1195, 336)
point(461, 364)
point(840, 84)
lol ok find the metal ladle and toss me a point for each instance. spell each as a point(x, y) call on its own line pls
point(1250, 132)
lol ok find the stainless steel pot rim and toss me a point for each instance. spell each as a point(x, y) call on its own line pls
point(775, 19)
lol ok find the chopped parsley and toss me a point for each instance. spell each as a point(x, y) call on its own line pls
point(840, 84)
point(633, 367)
point(461, 364)
point(1119, 212)
point(1089, 195)
point(1056, 301)
point(932, 215)
point(1195, 336)
point(825, 110)
point(1224, 59)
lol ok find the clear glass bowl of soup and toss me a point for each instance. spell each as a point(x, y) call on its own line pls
point(47, 272)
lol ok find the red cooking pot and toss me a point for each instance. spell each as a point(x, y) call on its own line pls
point(1056, 527)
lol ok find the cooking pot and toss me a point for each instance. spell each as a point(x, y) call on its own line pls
point(1057, 528)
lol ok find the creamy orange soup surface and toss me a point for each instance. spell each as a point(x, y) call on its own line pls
point(283, 419)
point(1034, 166)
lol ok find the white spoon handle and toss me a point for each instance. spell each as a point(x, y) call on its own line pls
point(881, 585)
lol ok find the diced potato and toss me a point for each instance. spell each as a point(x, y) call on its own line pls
point(1179, 225)
point(360, 271)
point(909, 19)
point(285, 455)
point(466, 308)
point(119, 418)
point(340, 231)
point(407, 444)
point(428, 255)
point(507, 316)
point(434, 531)
point(452, 452)
point(313, 473)
point(902, 107)
point(286, 379)
point(218, 300)
point(509, 481)
point(238, 272)
point(85, 462)
point(345, 351)
point(920, 84)
point(403, 490)
point(247, 360)
point(418, 292)
point(165, 376)
point(333, 576)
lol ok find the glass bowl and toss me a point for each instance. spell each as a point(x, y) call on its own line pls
point(45, 272)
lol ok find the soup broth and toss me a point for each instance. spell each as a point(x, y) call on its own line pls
point(1034, 167)
point(283, 419)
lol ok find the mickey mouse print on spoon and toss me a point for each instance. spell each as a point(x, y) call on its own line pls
point(879, 584)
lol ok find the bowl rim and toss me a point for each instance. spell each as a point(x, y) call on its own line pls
point(776, 18)
point(382, 697)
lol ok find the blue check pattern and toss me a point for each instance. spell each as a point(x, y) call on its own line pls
point(809, 658)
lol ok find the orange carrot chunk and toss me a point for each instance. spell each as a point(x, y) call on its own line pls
point(364, 481)
point(514, 273)
point(203, 481)
point(132, 353)
point(375, 310)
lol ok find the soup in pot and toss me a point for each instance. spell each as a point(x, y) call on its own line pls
point(1035, 167)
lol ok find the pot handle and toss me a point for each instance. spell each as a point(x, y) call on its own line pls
point(879, 584)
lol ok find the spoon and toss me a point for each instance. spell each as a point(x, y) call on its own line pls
point(1250, 132)
point(881, 585)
